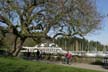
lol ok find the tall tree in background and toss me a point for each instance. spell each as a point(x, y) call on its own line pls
point(40, 18)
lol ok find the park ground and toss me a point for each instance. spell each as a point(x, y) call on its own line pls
point(10, 64)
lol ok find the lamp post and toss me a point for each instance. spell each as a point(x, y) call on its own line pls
point(65, 43)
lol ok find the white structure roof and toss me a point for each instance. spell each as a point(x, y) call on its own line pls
point(47, 48)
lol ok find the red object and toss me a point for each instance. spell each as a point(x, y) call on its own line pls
point(68, 55)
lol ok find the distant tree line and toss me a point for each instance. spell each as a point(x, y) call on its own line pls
point(67, 43)
point(78, 44)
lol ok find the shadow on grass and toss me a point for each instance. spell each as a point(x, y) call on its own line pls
point(97, 63)
point(105, 66)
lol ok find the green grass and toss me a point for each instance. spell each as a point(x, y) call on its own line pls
point(9, 64)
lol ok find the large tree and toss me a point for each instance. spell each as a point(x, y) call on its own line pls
point(45, 18)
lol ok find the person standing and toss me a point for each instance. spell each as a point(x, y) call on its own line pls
point(38, 55)
point(68, 57)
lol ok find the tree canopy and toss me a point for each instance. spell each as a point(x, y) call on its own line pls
point(45, 18)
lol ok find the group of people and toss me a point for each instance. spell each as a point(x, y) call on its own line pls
point(67, 59)
point(37, 55)
point(68, 56)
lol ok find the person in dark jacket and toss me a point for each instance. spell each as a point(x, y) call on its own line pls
point(38, 55)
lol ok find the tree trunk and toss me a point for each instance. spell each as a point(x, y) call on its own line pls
point(77, 45)
point(15, 44)
point(18, 48)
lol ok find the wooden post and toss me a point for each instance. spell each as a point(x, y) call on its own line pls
point(76, 48)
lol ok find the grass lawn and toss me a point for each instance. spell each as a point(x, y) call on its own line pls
point(10, 64)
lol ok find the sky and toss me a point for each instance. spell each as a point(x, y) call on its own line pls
point(101, 35)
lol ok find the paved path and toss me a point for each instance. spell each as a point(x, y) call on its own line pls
point(87, 66)
point(82, 65)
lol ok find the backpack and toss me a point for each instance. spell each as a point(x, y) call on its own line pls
point(69, 56)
